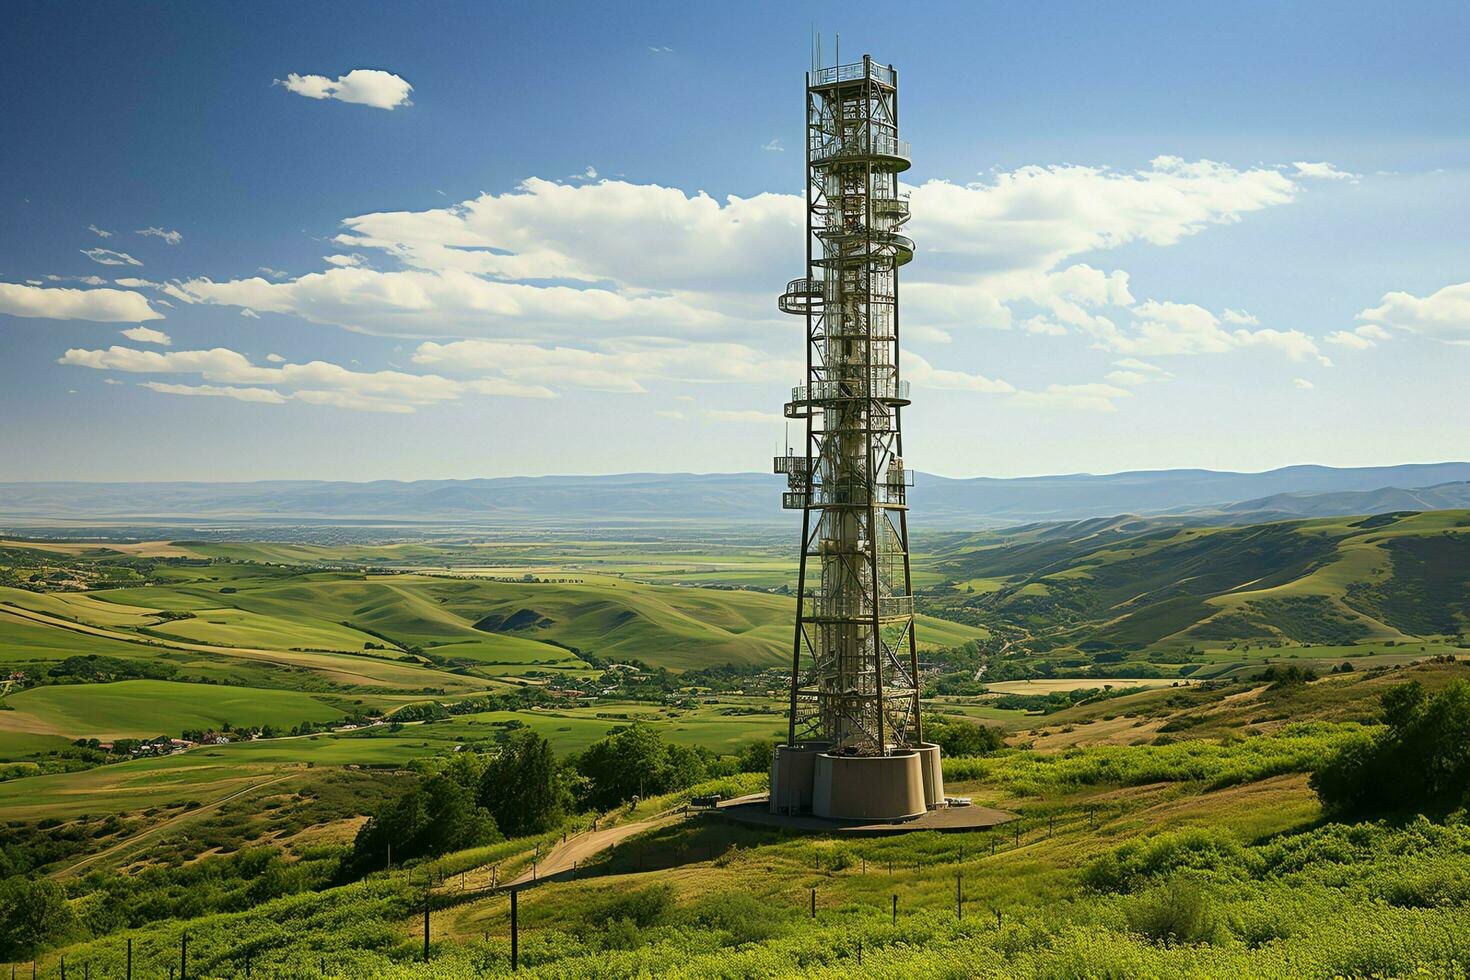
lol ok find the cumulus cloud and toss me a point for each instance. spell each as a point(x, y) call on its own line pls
point(263, 396)
point(316, 382)
point(1094, 397)
point(1303, 384)
point(1240, 317)
point(617, 366)
point(727, 415)
point(1131, 372)
point(1360, 338)
point(99, 232)
point(60, 303)
point(106, 256)
point(920, 372)
point(1444, 315)
point(361, 86)
point(1323, 171)
point(147, 335)
point(588, 277)
point(1165, 328)
point(171, 237)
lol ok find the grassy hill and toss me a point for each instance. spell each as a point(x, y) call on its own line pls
point(1132, 586)
point(1166, 833)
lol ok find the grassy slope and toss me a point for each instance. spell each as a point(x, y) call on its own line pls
point(1133, 584)
point(1320, 901)
point(141, 708)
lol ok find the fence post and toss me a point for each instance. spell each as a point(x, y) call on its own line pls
point(997, 918)
point(426, 927)
point(130, 961)
point(63, 966)
point(814, 903)
point(515, 934)
point(183, 956)
point(959, 901)
point(895, 910)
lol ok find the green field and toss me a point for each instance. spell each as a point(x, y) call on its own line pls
point(142, 708)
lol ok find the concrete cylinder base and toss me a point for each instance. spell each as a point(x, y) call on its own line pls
point(933, 772)
point(886, 787)
point(792, 776)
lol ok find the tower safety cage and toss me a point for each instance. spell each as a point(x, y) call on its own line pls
point(854, 684)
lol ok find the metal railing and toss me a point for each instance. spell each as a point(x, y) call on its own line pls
point(852, 72)
point(856, 607)
point(884, 389)
point(873, 145)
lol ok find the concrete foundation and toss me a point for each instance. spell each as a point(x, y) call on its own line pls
point(806, 779)
point(883, 787)
point(793, 769)
point(933, 772)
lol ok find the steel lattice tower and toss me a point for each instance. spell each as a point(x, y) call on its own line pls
point(854, 685)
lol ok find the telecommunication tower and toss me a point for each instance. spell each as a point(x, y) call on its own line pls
point(855, 744)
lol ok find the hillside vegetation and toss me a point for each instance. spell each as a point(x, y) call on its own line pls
point(1127, 588)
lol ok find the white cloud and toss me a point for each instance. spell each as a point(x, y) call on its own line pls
point(1185, 328)
point(774, 146)
point(726, 415)
point(171, 237)
point(344, 261)
point(262, 395)
point(920, 372)
point(98, 305)
point(100, 233)
point(146, 335)
point(1131, 372)
point(1323, 171)
point(1361, 338)
point(275, 358)
point(316, 382)
point(660, 49)
point(1241, 317)
point(362, 86)
point(248, 313)
point(1444, 315)
point(579, 276)
point(270, 273)
point(85, 280)
point(619, 366)
point(106, 256)
point(1092, 397)
point(674, 414)
point(1303, 384)
point(134, 283)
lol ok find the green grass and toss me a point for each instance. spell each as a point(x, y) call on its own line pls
point(137, 709)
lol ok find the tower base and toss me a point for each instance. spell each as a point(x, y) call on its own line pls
point(901, 786)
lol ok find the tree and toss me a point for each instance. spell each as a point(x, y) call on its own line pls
point(522, 787)
point(1418, 762)
point(437, 816)
point(756, 756)
point(957, 738)
point(33, 916)
point(635, 761)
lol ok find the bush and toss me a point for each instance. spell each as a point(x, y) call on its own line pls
point(643, 907)
point(1419, 762)
point(33, 915)
point(1177, 911)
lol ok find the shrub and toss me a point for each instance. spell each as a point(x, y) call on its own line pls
point(1176, 911)
point(1420, 760)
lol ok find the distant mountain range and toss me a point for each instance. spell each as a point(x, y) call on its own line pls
point(744, 498)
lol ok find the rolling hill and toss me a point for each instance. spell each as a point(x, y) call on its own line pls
point(1133, 584)
point(720, 499)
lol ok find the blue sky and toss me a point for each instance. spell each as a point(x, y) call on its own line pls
point(1227, 236)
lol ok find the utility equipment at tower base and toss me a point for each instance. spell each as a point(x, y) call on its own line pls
point(855, 747)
